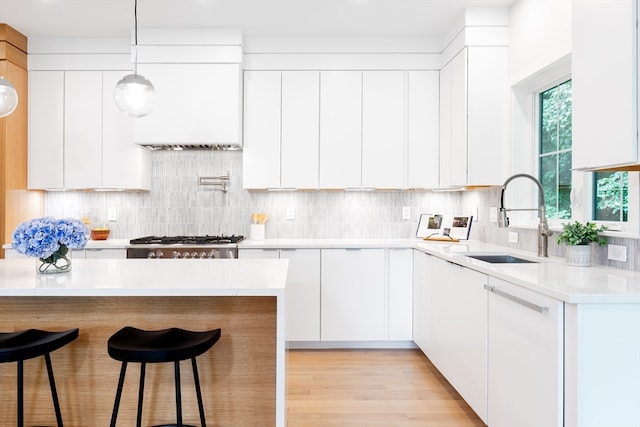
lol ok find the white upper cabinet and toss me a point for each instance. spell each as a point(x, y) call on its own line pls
point(124, 164)
point(300, 129)
point(604, 84)
point(196, 104)
point(383, 129)
point(82, 129)
point(423, 130)
point(46, 129)
point(78, 139)
point(262, 129)
point(473, 118)
point(340, 129)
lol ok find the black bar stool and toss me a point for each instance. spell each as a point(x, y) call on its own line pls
point(22, 345)
point(130, 344)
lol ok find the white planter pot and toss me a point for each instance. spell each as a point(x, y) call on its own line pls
point(579, 255)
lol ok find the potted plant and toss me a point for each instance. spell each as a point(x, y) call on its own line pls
point(578, 238)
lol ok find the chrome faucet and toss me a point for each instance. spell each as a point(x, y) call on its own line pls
point(543, 226)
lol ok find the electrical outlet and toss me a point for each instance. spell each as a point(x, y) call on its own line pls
point(406, 212)
point(617, 253)
point(493, 214)
point(513, 237)
point(291, 213)
point(112, 214)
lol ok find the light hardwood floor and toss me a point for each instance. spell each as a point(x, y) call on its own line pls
point(371, 388)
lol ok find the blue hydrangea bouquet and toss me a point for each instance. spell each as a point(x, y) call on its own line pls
point(49, 240)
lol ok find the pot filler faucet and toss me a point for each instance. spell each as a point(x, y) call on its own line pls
point(543, 226)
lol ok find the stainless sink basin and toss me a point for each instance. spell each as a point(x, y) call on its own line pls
point(499, 259)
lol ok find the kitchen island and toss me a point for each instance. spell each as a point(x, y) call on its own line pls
point(242, 376)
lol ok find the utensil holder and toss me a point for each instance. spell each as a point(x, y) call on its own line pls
point(256, 232)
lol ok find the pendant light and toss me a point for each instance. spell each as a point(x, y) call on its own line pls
point(8, 97)
point(134, 94)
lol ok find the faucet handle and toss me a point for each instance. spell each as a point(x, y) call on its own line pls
point(503, 219)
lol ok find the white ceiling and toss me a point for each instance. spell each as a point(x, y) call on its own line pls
point(114, 18)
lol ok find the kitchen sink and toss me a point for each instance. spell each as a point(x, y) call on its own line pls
point(500, 258)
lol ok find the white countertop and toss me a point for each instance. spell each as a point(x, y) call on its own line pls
point(550, 276)
point(142, 277)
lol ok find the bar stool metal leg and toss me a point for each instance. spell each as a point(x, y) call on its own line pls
point(143, 368)
point(116, 404)
point(178, 394)
point(20, 393)
point(196, 379)
point(54, 391)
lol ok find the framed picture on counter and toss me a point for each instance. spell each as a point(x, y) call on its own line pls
point(442, 227)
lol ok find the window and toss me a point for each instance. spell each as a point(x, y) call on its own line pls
point(555, 150)
point(611, 196)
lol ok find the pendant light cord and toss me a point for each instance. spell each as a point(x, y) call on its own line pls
point(135, 21)
point(135, 37)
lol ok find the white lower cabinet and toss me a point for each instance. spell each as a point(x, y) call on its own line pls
point(353, 295)
point(422, 299)
point(400, 295)
point(459, 331)
point(303, 294)
point(259, 253)
point(525, 370)
point(302, 298)
point(105, 253)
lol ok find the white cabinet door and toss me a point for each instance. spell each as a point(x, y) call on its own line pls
point(82, 129)
point(300, 129)
point(261, 151)
point(474, 111)
point(196, 103)
point(400, 293)
point(383, 129)
point(46, 129)
point(453, 121)
point(604, 83)
point(340, 129)
point(124, 164)
point(525, 357)
point(459, 317)
point(353, 295)
point(259, 253)
point(302, 294)
point(487, 116)
point(422, 299)
point(105, 253)
point(423, 130)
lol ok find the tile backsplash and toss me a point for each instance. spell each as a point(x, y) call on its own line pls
point(177, 205)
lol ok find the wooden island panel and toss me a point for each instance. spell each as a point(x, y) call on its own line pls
point(238, 375)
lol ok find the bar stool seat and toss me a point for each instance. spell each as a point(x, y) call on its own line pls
point(28, 344)
point(131, 344)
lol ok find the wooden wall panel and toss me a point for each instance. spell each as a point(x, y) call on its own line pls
point(238, 374)
point(17, 204)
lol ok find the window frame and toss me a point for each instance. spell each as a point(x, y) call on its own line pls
point(525, 158)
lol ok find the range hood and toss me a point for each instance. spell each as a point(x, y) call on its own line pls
point(192, 147)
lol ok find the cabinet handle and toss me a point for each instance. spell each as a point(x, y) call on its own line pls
point(532, 306)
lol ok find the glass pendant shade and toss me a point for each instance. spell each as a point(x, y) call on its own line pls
point(8, 97)
point(135, 95)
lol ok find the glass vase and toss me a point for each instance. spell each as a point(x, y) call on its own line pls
point(60, 265)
